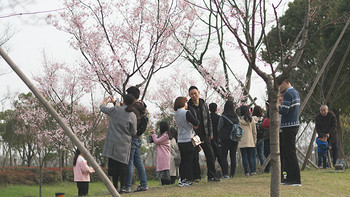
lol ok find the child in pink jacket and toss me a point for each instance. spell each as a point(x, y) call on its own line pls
point(81, 173)
point(163, 152)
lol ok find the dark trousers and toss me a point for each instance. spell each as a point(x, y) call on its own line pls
point(283, 169)
point(172, 179)
point(209, 154)
point(228, 145)
point(83, 188)
point(118, 171)
point(334, 152)
point(289, 154)
point(196, 170)
point(322, 158)
point(217, 151)
point(186, 164)
point(267, 153)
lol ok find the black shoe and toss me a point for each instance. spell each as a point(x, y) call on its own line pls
point(214, 179)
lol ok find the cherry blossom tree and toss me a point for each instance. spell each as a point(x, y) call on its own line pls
point(124, 42)
point(64, 87)
point(212, 49)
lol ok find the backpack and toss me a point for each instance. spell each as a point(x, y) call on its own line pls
point(236, 131)
point(143, 125)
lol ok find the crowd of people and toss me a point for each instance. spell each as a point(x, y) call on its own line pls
point(177, 154)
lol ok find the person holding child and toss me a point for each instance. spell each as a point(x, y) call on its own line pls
point(322, 150)
point(81, 173)
point(163, 152)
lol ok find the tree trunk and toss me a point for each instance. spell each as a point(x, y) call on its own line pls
point(273, 91)
point(340, 134)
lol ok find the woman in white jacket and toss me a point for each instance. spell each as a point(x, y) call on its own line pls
point(248, 141)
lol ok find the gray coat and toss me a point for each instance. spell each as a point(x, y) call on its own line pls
point(121, 128)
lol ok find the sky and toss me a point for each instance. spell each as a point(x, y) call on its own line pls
point(32, 35)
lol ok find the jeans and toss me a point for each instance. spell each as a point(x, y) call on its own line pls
point(228, 145)
point(322, 157)
point(248, 158)
point(259, 149)
point(290, 155)
point(135, 160)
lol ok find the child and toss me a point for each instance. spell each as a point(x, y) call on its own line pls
point(322, 149)
point(81, 173)
point(163, 152)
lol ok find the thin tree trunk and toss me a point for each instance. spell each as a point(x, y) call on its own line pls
point(275, 162)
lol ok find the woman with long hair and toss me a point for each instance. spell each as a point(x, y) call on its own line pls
point(248, 141)
point(81, 173)
point(163, 152)
point(224, 129)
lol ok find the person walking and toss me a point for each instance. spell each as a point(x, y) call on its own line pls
point(200, 110)
point(121, 127)
point(224, 128)
point(289, 109)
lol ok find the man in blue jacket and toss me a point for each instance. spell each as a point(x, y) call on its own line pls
point(289, 109)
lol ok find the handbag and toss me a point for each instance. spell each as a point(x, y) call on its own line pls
point(196, 140)
point(266, 123)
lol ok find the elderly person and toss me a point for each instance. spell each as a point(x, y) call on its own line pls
point(326, 123)
point(121, 128)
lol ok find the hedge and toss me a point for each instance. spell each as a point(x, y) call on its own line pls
point(30, 175)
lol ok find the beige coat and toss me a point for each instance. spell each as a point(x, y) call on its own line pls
point(248, 139)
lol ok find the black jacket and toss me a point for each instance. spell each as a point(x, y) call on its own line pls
point(327, 125)
point(215, 121)
point(205, 128)
point(225, 126)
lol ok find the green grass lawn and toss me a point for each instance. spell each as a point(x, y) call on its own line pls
point(316, 183)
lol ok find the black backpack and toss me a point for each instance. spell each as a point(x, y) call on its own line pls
point(236, 131)
point(143, 125)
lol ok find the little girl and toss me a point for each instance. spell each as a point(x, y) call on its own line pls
point(163, 152)
point(81, 173)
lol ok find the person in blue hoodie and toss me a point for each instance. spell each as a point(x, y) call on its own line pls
point(322, 150)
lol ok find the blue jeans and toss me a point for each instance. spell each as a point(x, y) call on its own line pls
point(322, 157)
point(135, 160)
point(259, 149)
point(248, 158)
